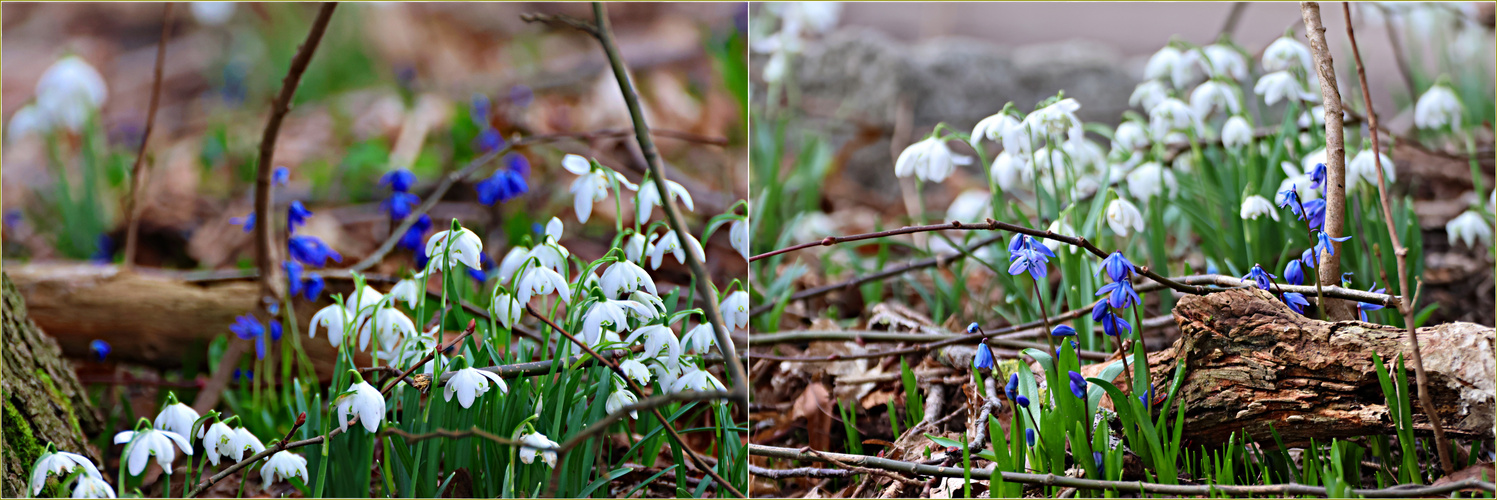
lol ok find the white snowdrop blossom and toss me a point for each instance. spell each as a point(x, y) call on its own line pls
point(930, 160)
point(619, 399)
point(363, 401)
point(549, 254)
point(999, 128)
point(1149, 180)
point(611, 312)
point(30, 119)
point(589, 188)
point(467, 249)
point(506, 309)
point(59, 463)
point(624, 277)
point(1363, 168)
point(649, 299)
point(408, 291)
point(149, 442)
point(1237, 133)
point(649, 198)
point(1061, 227)
point(92, 487)
point(212, 13)
point(1219, 60)
point(470, 383)
point(542, 281)
point(1282, 85)
point(970, 205)
point(218, 440)
point(283, 466)
point(738, 237)
point(333, 318)
point(634, 247)
point(1214, 95)
point(700, 338)
point(1171, 115)
point(177, 417)
point(1054, 120)
point(1010, 172)
point(658, 337)
point(1122, 217)
point(1170, 63)
point(672, 243)
point(512, 261)
point(69, 91)
point(695, 379)
point(635, 370)
point(1286, 54)
point(1470, 228)
point(388, 325)
point(1256, 206)
point(1149, 94)
point(1438, 108)
point(735, 310)
point(245, 442)
point(1130, 136)
point(667, 375)
point(535, 442)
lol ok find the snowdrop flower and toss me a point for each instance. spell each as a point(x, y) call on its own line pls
point(1149, 94)
point(696, 380)
point(649, 299)
point(59, 463)
point(467, 248)
point(735, 310)
point(1171, 115)
point(1363, 167)
point(1214, 95)
point(1056, 119)
point(470, 383)
point(1130, 136)
point(634, 247)
point(333, 318)
point(512, 261)
point(611, 312)
point(506, 309)
point(550, 255)
point(636, 370)
point(389, 324)
point(969, 205)
point(363, 401)
point(143, 444)
point(92, 487)
point(649, 197)
point(283, 466)
point(1122, 215)
point(1281, 85)
point(1170, 63)
point(1149, 180)
point(929, 160)
point(534, 442)
point(1438, 108)
point(1470, 228)
point(408, 291)
point(1220, 60)
point(619, 399)
point(176, 417)
point(218, 440)
point(1255, 206)
point(212, 13)
point(700, 338)
point(624, 277)
point(589, 188)
point(1010, 172)
point(542, 281)
point(30, 119)
point(738, 237)
point(672, 243)
point(1286, 54)
point(69, 91)
point(1237, 132)
point(245, 442)
point(999, 127)
point(667, 375)
point(658, 337)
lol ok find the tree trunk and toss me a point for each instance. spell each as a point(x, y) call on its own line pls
point(43, 400)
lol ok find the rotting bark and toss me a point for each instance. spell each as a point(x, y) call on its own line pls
point(43, 401)
point(1254, 362)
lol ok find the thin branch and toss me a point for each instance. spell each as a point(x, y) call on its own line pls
point(1287, 489)
point(1400, 254)
point(1329, 269)
point(137, 171)
point(472, 325)
point(449, 434)
point(649, 403)
point(1003, 337)
point(798, 472)
point(862, 470)
point(1235, 16)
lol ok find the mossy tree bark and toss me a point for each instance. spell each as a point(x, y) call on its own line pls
point(43, 400)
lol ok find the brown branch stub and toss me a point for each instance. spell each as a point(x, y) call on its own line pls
point(137, 171)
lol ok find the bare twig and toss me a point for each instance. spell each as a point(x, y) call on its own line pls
point(862, 470)
point(1329, 269)
point(798, 472)
point(1396, 43)
point(472, 325)
point(935, 340)
point(1235, 16)
point(137, 172)
point(1400, 254)
point(1287, 489)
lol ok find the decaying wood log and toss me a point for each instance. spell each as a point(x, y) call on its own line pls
point(43, 400)
point(1253, 362)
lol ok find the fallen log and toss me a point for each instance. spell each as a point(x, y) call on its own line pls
point(1252, 362)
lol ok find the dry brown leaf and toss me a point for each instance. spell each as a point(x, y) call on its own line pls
point(815, 405)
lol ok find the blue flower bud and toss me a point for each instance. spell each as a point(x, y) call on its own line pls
point(100, 349)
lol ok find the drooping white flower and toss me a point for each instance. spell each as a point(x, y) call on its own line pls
point(333, 318)
point(649, 198)
point(1256, 206)
point(624, 277)
point(735, 310)
point(632, 368)
point(176, 417)
point(512, 261)
point(388, 324)
point(1171, 115)
point(1237, 132)
point(1282, 85)
point(542, 281)
point(470, 383)
point(1363, 168)
point(141, 445)
point(245, 444)
point(672, 243)
point(1471, 228)
point(1061, 227)
point(1170, 63)
point(218, 440)
point(1130, 136)
point(700, 338)
point(576, 164)
point(408, 291)
point(589, 188)
point(30, 119)
point(1438, 108)
point(667, 375)
point(1055, 120)
point(92, 487)
point(634, 247)
point(738, 237)
point(212, 13)
point(649, 299)
point(467, 249)
point(1214, 95)
point(1286, 54)
point(658, 337)
point(969, 205)
point(59, 463)
point(1122, 217)
point(1011, 172)
point(550, 254)
point(69, 91)
point(363, 401)
point(506, 309)
point(413, 349)
point(695, 379)
point(929, 160)
point(535, 442)
point(619, 399)
point(1219, 60)
point(994, 128)
point(1149, 180)
point(554, 228)
point(283, 466)
point(612, 313)
point(1149, 94)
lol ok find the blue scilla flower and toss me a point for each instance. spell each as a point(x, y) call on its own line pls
point(297, 214)
point(1317, 177)
point(1097, 457)
point(1346, 279)
point(1015, 244)
point(103, 249)
point(518, 163)
point(414, 238)
point(478, 110)
point(1120, 294)
point(1294, 273)
point(1074, 348)
point(1029, 436)
point(1078, 385)
point(1117, 267)
point(1259, 276)
point(100, 349)
point(244, 374)
point(399, 205)
point(1063, 331)
point(1324, 243)
point(973, 328)
point(399, 180)
point(247, 221)
point(293, 275)
point(1315, 213)
point(1308, 258)
point(310, 285)
point(1032, 258)
point(1144, 398)
point(275, 331)
point(1012, 389)
point(506, 184)
point(1363, 307)
point(311, 251)
point(281, 176)
point(248, 329)
point(1112, 325)
point(984, 357)
point(1290, 198)
point(1022, 401)
point(488, 141)
point(1296, 301)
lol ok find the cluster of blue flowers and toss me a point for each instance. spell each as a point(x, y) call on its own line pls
point(507, 182)
point(247, 328)
point(1120, 295)
point(1313, 213)
point(1027, 254)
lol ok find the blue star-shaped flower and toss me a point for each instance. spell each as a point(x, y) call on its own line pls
point(311, 251)
point(1317, 177)
point(1117, 267)
point(1324, 243)
point(1294, 273)
point(100, 349)
point(281, 176)
point(504, 185)
point(1259, 276)
point(1078, 385)
point(984, 357)
point(1063, 331)
point(1296, 301)
point(413, 239)
point(1315, 212)
point(1363, 307)
point(1012, 389)
point(399, 205)
point(1120, 294)
point(1291, 200)
point(297, 215)
point(1022, 401)
point(399, 180)
point(247, 221)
